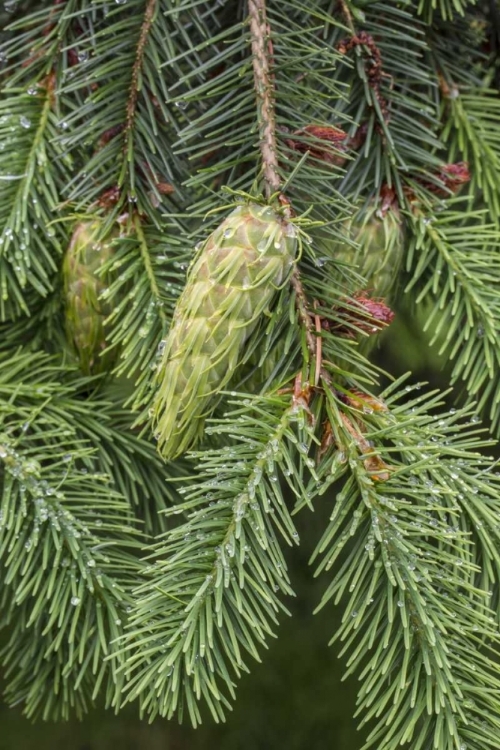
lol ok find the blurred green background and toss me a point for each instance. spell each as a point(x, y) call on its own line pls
point(295, 699)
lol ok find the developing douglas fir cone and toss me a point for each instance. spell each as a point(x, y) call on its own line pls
point(84, 307)
point(230, 285)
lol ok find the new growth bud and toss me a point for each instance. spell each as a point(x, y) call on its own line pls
point(361, 313)
point(83, 287)
point(374, 246)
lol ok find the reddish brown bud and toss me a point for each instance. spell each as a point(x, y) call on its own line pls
point(452, 177)
point(110, 197)
point(378, 314)
point(363, 313)
point(165, 188)
point(455, 175)
point(322, 142)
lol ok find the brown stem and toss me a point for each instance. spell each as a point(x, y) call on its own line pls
point(264, 89)
point(313, 342)
point(149, 14)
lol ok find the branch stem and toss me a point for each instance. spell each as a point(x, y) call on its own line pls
point(131, 109)
point(264, 89)
point(306, 318)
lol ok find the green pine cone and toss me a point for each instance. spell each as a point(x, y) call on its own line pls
point(85, 311)
point(380, 248)
point(230, 284)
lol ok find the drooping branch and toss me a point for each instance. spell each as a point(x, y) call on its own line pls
point(264, 88)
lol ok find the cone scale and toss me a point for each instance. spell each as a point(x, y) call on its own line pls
point(230, 285)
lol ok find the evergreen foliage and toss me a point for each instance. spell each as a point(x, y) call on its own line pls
point(354, 124)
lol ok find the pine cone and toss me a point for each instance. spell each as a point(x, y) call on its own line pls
point(230, 284)
point(85, 311)
point(379, 236)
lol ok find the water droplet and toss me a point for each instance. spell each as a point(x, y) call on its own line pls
point(82, 56)
point(25, 122)
point(262, 246)
point(75, 601)
point(32, 91)
point(181, 104)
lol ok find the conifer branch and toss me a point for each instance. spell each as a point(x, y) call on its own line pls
point(212, 592)
point(457, 269)
point(415, 600)
point(66, 548)
point(151, 95)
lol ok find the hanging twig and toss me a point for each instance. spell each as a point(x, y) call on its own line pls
point(149, 14)
point(264, 89)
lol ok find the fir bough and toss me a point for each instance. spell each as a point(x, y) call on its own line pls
point(158, 582)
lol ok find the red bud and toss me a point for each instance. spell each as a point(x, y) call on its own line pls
point(363, 313)
point(455, 175)
point(322, 142)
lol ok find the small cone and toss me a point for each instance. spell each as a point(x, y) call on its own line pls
point(230, 285)
point(380, 248)
point(85, 311)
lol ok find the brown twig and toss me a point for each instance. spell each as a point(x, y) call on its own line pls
point(373, 65)
point(149, 14)
point(306, 318)
point(264, 88)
